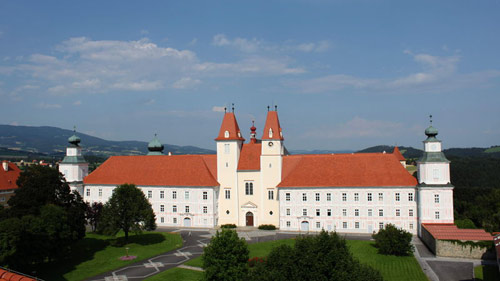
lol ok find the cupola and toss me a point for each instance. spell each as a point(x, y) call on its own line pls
point(253, 133)
point(74, 139)
point(155, 147)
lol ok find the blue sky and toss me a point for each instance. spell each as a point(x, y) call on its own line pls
point(344, 74)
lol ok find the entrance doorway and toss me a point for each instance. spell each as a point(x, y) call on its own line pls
point(304, 226)
point(187, 222)
point(249, 217)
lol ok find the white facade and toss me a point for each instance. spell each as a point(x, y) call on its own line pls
point(74, 167)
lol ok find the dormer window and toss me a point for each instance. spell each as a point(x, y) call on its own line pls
point(270, 132)
point(239, 135)
point(226, 134)
point(281, 134)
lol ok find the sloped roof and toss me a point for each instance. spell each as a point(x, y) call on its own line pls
point(8, 178)
point(230, 124)
point(250, 157)
point(398, 154)
point(344, 170)
point(157, 170)
point(11, 276)
point(449, 231)
point(273, 123)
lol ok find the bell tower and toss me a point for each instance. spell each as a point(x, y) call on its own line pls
point(74, 167)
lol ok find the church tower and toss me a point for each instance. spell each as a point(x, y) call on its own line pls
point(74, 167)
point(271, 163)
point(229, 143)
point(435, 191)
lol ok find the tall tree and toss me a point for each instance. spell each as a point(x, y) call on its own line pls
point(94, 214)
point(127, 210)
point(226, 257)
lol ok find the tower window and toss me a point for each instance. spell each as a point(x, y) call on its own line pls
point(270, 132)
point(287, 196)
point(226, 148)
point(226, 134)
point(249, 188)
point(270, 195)
point(227, 193)
point(436, 198)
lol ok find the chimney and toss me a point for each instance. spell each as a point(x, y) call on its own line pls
point(5, 165)
point(169, 153)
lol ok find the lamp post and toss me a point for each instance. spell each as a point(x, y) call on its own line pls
point(126, 249)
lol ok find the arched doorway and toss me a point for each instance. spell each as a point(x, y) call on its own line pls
point(249, 219)
point(304, 226)
point(187, 222)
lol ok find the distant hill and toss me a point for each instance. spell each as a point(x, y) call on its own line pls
point(53, 142)
point(410, 152)
point(319, 151)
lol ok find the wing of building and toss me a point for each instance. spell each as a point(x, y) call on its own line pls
point(8, 177)
point(258, 182)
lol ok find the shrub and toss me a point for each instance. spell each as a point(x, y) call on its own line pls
point(465, 223)
point(393, 241)
point(229, 225)
point(267, 227)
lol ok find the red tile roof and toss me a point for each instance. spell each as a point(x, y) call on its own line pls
point(8, 178)
point(6, 275)
point(250, 157)
point(398, 154)
point(230, 124)
point(272, 122)
point(344, 170)
point(157, 170)
point(449, 231)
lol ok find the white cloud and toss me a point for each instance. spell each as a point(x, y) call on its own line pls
point(186, 83)
point(138, 86)
point(218, 108)
point(243, 44)
point(44, 105)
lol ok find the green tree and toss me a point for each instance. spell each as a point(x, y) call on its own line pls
point(127, 210)
point(93, 214)
point(393, 241)
point(225, 258)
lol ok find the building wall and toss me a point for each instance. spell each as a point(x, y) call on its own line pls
point(431, 210)
point(350, 221)
point(5, 196)
point(174, 211)
point(227, 164)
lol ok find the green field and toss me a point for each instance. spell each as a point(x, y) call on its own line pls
point(493, 149)
point(97, 254)
point(411, 169)
point(486, 273)
point(177, 274)
point(392, 268)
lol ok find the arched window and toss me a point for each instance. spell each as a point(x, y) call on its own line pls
point(270, 132)
point(226, 134)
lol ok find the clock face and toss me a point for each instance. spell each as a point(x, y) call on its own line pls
point(270, 143)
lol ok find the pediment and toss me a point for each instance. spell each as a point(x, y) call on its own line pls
point(249, 205)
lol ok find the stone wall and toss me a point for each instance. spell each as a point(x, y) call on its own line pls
point(450, 249)
point(428, 239)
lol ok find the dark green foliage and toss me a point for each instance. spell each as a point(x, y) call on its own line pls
point(393, 241)
point(465, 223)
point(127, 210)
point(267, 227)
point(322, 257)
point(475, 172)
point(93, 214)
point(229, 225)
point(225, 258)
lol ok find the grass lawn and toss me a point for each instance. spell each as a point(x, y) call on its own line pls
point(96, 254)
point(177, 274)
point(493, 149)
point(486, 273)
point(411, 169)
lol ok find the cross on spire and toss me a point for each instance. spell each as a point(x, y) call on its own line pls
point(430, 117)
point(232, 107)
point(74, 128)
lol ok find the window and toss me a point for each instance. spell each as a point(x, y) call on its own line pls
point(328, 197)
point(205, 209)
point(100, 192)
point(356, 196)
point(88, 191)
point(270, 195)
point(175, 220)
point(227, 192)
point(318, 212)
point(205, 195)
point(162, 194)
point(436, 198)
point(344, 224)
point(380, 225)
point(344, 212)
point(186, 209)
point(411, 225)
point(369, 196)
point(304, 212)
point(150, 194)
point(317, 197)
point(288, 224)
point(410, 212)
point(287, 196)
point(436, 215)
point(329, 212)
point(397, 197)
point(249, 188)
point(344, 196)
point(398, 212)
point(186, 195)
point(380, 196)
point(162, 219)
point(410, 196)
point(369, 212)
point(287, 212)
point(162, 208)
point(304, 197)
point(174, 209)
point(435, 174)
point(356, 225)
point(318, 224)
point(174, 194)
point(356, 212)
point(381, 212)
point(226, 146)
